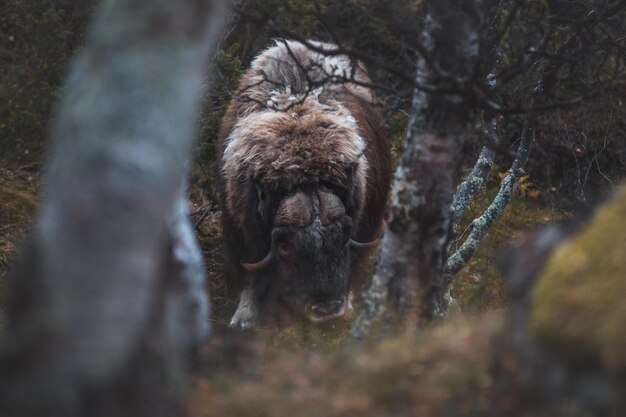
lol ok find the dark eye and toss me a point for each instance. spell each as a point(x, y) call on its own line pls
point(284, 249)
point(260, 194)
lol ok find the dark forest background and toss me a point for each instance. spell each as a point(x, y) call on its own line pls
point(578, 152)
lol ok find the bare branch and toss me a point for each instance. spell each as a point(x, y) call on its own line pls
point(481, 225)
point(475, 181)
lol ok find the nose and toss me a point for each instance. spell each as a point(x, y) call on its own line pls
point(327, 310)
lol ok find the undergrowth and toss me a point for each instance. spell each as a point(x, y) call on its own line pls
point(17, 204)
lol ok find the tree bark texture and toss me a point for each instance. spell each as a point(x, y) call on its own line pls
point(477, 177)
point(414, 248)
point(112, 269)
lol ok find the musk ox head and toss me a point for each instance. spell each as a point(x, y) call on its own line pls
point(309, 255)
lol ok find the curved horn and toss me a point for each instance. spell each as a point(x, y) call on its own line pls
point(262, 264)
point(365, 245)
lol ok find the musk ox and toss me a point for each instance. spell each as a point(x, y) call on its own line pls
point(304, 171)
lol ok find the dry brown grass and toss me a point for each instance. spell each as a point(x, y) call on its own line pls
point(18, 202)
point(443, 368)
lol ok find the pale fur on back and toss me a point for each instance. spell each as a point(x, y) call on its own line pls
point(294, 129)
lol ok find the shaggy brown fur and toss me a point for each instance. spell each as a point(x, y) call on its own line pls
point(293, 125)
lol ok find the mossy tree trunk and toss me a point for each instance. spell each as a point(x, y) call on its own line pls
point(414, 249)
point(112, 274)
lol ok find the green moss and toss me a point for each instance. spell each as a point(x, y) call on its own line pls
point(578, 307)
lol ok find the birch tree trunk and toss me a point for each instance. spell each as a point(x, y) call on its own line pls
point(413, 252)
point(112, 274)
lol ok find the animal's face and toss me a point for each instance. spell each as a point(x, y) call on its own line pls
point(312, 267)
point(309, 258)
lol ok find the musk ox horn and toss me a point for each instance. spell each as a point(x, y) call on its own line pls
point(331, 207)
point(295, 210)
point(262, 264)
point(367, 245)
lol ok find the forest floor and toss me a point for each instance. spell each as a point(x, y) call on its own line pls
point(317, 370)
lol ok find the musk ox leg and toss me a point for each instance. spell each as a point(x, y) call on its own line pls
point(247, 314)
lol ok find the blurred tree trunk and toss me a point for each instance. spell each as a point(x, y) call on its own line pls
point(414, 250)
point(112, 278)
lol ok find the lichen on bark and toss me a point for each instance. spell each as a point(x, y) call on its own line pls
point(476, 179)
